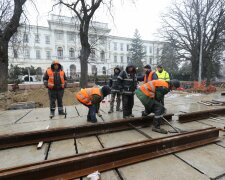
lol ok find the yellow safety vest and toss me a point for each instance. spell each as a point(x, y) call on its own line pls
point(163, 75)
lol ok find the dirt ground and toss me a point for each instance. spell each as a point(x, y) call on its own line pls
point(39, 96)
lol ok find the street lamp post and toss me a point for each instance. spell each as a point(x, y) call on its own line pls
point(200, 54)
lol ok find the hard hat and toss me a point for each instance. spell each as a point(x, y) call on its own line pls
point(175, 83)
point(55, 62)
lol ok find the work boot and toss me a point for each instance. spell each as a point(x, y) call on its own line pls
point(159, 130)
point(120, 110)
point(52, 114)
point(62, 113)
point(110, 111)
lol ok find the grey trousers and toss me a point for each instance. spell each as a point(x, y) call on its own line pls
point(118, 101)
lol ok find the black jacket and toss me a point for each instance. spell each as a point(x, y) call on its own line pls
point(127, 81)
point(113, 81)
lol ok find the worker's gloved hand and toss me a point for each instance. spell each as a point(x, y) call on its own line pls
point(46, 84)
point(99, 114)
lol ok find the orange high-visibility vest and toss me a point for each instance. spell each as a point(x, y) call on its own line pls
point(85, 95)
point(51, 78)
point(149, 88)
point(149, 77)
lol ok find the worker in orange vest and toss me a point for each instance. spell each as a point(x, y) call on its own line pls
point(149, 74)
point(91, 98)
point(55, 80)
point(150, 95)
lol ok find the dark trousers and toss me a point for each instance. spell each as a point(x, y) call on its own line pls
point(128, 103)
point(91, 113)
point(56, 94)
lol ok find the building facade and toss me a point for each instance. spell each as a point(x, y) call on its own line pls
point(38, 46)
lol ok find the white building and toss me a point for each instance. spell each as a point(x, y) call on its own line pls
point(60, 40)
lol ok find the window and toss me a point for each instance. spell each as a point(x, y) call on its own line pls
point(48, 54)
point(128, 47)
point(115, 46)
point(104, 70)
point(60, 52)
point(15, 53)
point(145, 49)
point(128, 59)
point(121, 59)
point(150, 50)
point(37, 38)
point(115, 59)
point(26, 53)
point(102, 55)
point(38, 54)
point(25, 38)
point(71, 37)
point(71, 53)
point(59, 35)
point(93, 69)
point(102, 40)
point(121, 46)
point(47, 39)
point(150, 60)
point(93, 54)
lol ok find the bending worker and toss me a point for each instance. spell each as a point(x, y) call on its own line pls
point(162, 74)
point(150, 95)
point(91, 98)
point(55, 80)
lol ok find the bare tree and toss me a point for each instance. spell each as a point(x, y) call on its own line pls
point(84, 10)
point(10, 13)
point(187, 22)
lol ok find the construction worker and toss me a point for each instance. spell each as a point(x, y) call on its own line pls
point(150, 95)
point(91, 98)
point(149, 74)
point(127, 81)
point(162, 74)
point(115, 90)
point(55, 80)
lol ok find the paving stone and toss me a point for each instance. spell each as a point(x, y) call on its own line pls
point(166, 167)
point(120, 138)
point(62, 148)
point(21, 156)
point(208, 159)
point(88, 144)
point(212, 123)
point(12, 116)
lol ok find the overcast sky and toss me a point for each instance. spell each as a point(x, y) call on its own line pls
point(143, 15)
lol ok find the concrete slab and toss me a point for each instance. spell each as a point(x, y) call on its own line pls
point(12, 116)
point(166, 167)
point(212, 123)
point(120, 138)
point(208, 159)
point(21, 156)
point(82, 110)
point(62, 148)
point(88, 144)
point(108, 175)
point(190, 126)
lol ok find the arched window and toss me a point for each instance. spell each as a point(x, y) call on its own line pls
point(104, 70)
point(71, 53)
point(60, 52)
point(102, 55)
point(93, 69)
point(72, 71)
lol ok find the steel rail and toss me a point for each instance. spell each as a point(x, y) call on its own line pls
point(55, 134)
point(193, 116)
point(106, 159)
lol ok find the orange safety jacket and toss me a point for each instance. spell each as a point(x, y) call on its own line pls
point(85, 95)
point(149, 88)
point(149, 77)
point(51, 78)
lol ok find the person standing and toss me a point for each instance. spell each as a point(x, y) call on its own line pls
point(91, 98)
point(149, 74)
point(55, 80)
point(127, 81)
point(115, 90)
point(162, 74)
point(150, 95)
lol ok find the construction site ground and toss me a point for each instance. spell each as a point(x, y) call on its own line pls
point(206, 162)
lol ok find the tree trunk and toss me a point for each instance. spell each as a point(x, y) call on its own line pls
point(85, 52)
point(194, 69)
point(3, 66)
